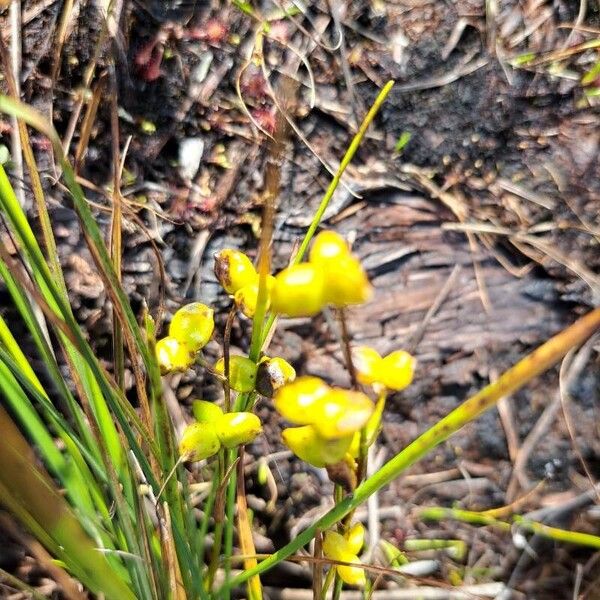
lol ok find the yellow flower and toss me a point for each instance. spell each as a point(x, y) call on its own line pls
point(396, 370)
point(295, 401)
point(234, 270)
point(237, 428)
point(193, 325)
point(242, 373)
point(172, 355)
point(246, 297)
point(355, 536)
point(272, 374)
point(336, 547)
point(298, 291)
point(309, 446)
point(366, 362)
point(199, 441)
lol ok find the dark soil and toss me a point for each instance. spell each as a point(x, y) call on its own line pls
point(509, 155)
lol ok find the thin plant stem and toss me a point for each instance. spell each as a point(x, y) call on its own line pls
point(347, 158)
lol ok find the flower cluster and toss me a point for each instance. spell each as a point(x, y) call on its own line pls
point(190, 330)
point(329, 419)
point(345, 548)
point(214, 429)
point(393, 372)
point(332, 276)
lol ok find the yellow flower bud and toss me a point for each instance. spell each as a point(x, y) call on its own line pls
point(173, 355)
point(298, 291)
point(199, 441)
point(237, 428)
point(309, 446)
point(328, 246)
point(193, 324)
point(354, 449)
point(246, 297)
point(336, 547)
point(295, 401)
point(340, 413)
point(366, 362)
point(355, 537)
point(272, 374)
point(234, 270)
point(206, 412)
point(397, 369)
point(242, 373)
point(346, 283)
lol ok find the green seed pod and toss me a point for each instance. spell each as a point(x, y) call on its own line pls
point(272, 374)
point(193, 324)
point(199, 441)
point(172, 355)
point(237, 428)
point(206, 412)
point(242, 373)
point(234, 270)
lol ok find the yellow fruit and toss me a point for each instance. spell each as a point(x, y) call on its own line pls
point(295, 401)
point(272, 374)
point(246, 297)
point(199, 441)
point(206, 412)
point(327, 247)
point(234, 270)
point(237, 428)
point(242, 373)
point(355, 537)
point(309, 446)
point(346, 283)
point(366, 363)
point(173, 355)
point(193, 324)
point(298, 291)
point(397, 369)
point(340, 413)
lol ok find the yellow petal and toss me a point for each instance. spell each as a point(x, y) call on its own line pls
point(206, 412)
point(237, 428)
point(355, 538)
point(307, 445)
point(193, 325)
point(298, 291)
point(328, 246)
point(295, 401)
point(397, 369)
point(352, 575)
point(199, 441)
point(347, 283)
point(339, 413)
point(366, 362)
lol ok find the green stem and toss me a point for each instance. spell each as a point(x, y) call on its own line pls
point(348, 156)
point(514, 378)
